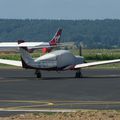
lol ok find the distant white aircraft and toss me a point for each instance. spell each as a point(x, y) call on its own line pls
point(45, 46)
point(59, 60)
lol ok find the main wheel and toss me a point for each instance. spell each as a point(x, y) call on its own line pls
point(78, 74)
point(38, 73)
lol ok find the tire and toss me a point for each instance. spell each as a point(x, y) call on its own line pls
point(38, 75)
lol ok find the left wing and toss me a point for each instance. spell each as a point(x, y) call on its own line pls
point(96, 63)
point(11, 62)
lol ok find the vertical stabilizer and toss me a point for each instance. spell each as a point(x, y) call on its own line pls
point(53, 41)
point(56, 38)
point(27, 60)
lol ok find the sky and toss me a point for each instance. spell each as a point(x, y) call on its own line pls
point(60, 9)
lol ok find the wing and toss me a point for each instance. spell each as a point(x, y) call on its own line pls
point(11, 62)
point(96, 63)
point(24, 44)
point(14, 46)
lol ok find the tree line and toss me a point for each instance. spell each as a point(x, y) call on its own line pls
point(90, 33)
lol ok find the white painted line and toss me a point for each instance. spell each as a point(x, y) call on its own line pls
point(42, 110)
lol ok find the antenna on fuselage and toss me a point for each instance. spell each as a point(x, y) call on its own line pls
point(81, 51)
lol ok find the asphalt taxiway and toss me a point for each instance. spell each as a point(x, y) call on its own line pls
point(20, 90)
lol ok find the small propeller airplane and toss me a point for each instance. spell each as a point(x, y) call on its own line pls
point(58, 60)
point(45, 46)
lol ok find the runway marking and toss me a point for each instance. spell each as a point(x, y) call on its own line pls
point(37, 105)
point(24, 101)
point(57, 101)
point(25, 107)
point(41, 110)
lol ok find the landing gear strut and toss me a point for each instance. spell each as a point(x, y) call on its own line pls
point(78, 74)
point(38, 73)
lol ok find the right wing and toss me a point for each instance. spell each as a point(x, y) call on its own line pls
point(11, 62)
point(83, 65)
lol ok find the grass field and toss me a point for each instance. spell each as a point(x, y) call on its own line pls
point(89, 54)
point(99, 54)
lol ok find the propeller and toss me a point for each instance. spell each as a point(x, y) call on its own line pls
point(80, 52)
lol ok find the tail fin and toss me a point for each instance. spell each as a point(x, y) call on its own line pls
point(53, 41)
point(56, 38)
point(27, 60)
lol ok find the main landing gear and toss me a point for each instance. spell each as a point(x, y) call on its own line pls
point(78, 74)
point(38, 73)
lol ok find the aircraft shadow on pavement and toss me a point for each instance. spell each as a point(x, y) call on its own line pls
point(104, 76)
point(61, 78)
point(44, 78)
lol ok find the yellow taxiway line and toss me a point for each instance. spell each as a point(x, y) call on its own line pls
point(37, 105)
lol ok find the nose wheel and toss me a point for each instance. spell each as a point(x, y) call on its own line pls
point(38, 74)
point(78, 74)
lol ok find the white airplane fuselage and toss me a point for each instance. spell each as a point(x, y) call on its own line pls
point(56, 60)
point(14, 46)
